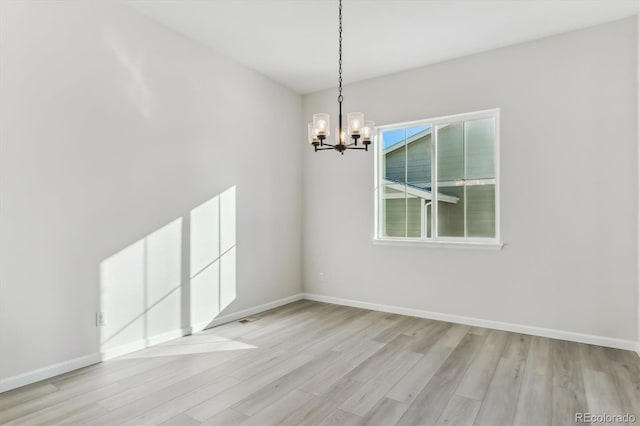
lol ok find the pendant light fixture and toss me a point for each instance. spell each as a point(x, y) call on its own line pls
point(357, 128)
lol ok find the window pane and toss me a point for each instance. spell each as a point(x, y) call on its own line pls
point(407, 181)
point(466, 179)
point(451, 211)
point(418, 178)
point(394, 155)
point(450, 152)
point(481, 210)
point(479, 166)
point(394, 181)
point(479, 137)
point(450, 180)
point(414, 217)
point(419, 156)
point(394, 211)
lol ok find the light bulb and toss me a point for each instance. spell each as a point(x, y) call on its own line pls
point(367, 131)
point(313, 134)
point(321, 124)
point(355, 120)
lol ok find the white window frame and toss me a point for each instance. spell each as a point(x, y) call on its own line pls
point(435, 240)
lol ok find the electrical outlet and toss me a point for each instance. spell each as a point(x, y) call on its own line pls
point(321, 277)
point(100, 320)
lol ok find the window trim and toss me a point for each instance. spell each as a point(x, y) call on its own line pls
point(437, 241)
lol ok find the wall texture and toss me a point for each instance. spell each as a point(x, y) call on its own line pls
point(569, 189)
point(114, 130)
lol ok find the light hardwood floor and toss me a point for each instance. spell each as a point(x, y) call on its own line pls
point(321, 364)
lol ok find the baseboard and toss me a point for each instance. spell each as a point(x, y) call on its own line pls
point(175, 334)
point(84, 361)
point(477, 322)
point(73, 364)
point(246, 312)
point(47, 372)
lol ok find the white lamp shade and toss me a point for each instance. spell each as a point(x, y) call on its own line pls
point(312, 133)
point(341, 137)
point(321, 123)
point(367, 130)
point(355, 122)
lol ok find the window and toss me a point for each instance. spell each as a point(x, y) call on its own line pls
point(437, 180)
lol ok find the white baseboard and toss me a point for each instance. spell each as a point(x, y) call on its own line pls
point(477, 322)
point(73, 364)
point(246, 312)
point(47, 372)
point(64, 367)
point(175, 334)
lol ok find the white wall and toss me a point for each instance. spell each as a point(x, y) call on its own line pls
point(569, 189)
point(114, 128)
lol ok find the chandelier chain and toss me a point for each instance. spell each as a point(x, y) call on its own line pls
point(340, 52)
point(357, 130)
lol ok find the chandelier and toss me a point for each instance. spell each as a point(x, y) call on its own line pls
point(357, 127)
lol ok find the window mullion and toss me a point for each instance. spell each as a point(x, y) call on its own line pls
point(406, 186)
point(423, 218)
point(380, 202)
point(434, 182)
point(464, 177)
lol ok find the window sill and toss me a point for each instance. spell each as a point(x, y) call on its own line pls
point(478, 245)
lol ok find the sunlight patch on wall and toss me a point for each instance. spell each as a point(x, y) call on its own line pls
point(140, 289)
point(227, 278)
point(144, 295)
point(205, 268)
point(164, 257)
point(213, 257)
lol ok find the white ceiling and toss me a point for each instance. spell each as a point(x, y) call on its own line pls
point(295, 41)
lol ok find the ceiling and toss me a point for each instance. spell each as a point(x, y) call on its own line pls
point(294, 42)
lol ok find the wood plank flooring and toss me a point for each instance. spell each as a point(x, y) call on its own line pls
point(310, 363)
